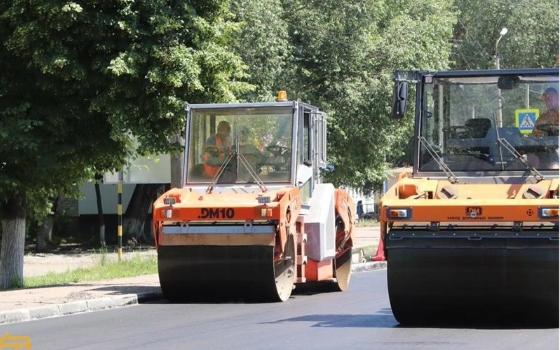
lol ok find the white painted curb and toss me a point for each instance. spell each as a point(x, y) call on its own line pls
point(73, 307)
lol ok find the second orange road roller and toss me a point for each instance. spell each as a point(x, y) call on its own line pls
point(471, 232)
point(253, 217)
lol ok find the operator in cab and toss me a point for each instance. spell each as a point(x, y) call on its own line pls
point(547, 124)
point(217, 149)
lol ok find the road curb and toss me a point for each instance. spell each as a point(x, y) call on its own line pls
point(75, 307)
point(363, 254)
point(369, 266)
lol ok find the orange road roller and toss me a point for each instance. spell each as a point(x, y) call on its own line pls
point(470, 233)
point(253, 217)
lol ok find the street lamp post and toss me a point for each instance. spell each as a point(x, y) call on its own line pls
point(496, 53)
point(497, 58)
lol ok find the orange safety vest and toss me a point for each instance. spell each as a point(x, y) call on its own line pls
point(212, 170)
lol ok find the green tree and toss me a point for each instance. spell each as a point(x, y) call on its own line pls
point(263, 43)
point(48, 140)
point(81, 80)
point(344, 54)
point(531, 41)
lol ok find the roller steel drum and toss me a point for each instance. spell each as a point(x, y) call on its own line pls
point(343, 269)
point(249, 273)
point(468, 276)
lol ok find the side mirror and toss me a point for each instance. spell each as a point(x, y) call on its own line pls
point(328, 168)
point(508, 82)
point(400, 96)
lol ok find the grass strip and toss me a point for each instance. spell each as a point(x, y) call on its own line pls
point(104, 270)
point(367, 223)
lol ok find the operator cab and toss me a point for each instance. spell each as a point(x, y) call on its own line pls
point(483, 122)
point(252, 145)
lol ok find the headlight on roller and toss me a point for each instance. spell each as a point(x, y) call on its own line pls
point(548, 212)
point(399, 213)
point(169, 213)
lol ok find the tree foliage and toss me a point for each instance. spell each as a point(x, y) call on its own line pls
point(264, 46)
point(342, 56)
point(81, 80)
point(531, 41)
point(342, 59)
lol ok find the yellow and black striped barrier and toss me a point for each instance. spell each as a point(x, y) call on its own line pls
point(120, 214)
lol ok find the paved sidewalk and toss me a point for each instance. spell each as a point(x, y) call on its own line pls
point(366, 240)
point(367, 236)
point(36, 303)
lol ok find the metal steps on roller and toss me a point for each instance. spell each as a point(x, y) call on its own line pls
point(301, 256)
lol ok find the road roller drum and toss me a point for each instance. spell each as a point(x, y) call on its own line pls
point(452, 277)
point(198, 273)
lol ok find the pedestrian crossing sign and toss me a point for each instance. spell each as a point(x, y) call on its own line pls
point(525, 120)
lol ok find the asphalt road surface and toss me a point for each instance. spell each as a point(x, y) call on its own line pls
point(357, 319)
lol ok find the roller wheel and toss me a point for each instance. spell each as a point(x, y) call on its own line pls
point(284, 271)
point(343, 261)
point(343, 269)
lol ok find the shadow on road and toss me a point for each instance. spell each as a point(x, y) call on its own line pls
point(312, 288)
point(381, 319)
point(227, 297)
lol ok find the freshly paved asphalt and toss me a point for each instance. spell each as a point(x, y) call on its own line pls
point(360, 318)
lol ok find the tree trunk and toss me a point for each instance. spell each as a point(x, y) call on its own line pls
point(44, 234)
point(138, 211)
point(100, 214)
point(13, 243)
